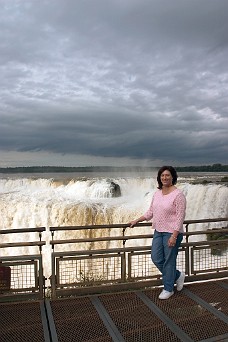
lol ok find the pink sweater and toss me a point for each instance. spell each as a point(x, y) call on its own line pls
point(167, 211)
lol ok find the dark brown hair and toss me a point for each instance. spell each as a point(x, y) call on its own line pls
point(171, 170)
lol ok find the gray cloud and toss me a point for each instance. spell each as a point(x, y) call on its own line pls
point(127, 79)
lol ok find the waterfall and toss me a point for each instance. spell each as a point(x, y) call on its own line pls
point(45, 202)
point(29, 202)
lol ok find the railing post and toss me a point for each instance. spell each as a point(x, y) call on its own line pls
point(187, 255)
point(41, 279)
point(52, 238)
point(53, 277)
point(124, 265)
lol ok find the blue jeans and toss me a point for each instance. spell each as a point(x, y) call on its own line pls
point(164, 258)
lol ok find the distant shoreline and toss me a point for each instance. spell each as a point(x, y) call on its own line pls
point(56, 169)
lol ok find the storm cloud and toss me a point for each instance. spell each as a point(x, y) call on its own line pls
point(106, 80)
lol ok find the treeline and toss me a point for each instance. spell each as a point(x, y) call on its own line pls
point(204, 168)
point(55, 169)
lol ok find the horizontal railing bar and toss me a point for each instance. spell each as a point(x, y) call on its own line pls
point(130, 237)
point(21, 257)
point(101, 251)
point(206, 220)
point(107, 238)
point(208, 243)
point(98, 226)
point(23, 230)
point(8, 297)
point(107, 288)
point(208, 231)
point(136, 249)
point(22, 244)
point(125, 225)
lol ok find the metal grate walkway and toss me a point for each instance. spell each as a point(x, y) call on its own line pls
point(198, 313)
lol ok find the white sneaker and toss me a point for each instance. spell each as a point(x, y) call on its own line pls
point(180, 281)
point(165, 294)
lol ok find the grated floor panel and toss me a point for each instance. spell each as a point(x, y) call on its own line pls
point(192, 318)
point(77, 320)
point(135, 321)
point(21, 322)
point(212, 293)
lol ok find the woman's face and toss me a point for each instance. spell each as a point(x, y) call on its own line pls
point(166, 178)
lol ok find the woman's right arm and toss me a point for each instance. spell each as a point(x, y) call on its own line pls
point(134, 222)
point(147, 216)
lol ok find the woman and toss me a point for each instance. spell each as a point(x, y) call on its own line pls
point(167, 210)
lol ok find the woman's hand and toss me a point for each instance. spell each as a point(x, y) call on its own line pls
point(133, 223)
point(172, 241)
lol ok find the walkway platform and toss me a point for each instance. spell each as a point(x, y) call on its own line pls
point(198, 313)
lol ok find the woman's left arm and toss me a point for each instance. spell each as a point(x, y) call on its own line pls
point(180, 203)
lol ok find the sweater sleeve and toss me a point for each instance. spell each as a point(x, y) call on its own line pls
point(180, 204)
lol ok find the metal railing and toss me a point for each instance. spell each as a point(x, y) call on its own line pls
point(21, 276)
point(103, 258)
point(92, 264)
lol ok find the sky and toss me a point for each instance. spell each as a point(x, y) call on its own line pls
point(113, 82)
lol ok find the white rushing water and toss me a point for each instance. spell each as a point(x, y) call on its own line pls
point(28, 202)
point(35, 202)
